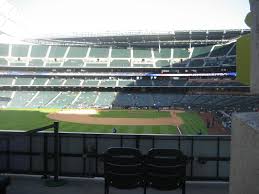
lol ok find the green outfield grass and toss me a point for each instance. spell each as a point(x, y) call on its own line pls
point(193, 123)
point(133, 114)
point(27, 119)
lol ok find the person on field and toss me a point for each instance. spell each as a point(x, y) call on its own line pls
point(114, 130)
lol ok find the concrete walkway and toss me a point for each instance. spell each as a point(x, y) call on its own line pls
point(34, 185)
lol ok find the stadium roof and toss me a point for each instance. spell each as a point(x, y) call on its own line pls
point(147, 39)
point(59, 16)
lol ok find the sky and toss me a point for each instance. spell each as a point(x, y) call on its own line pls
point(69, 16)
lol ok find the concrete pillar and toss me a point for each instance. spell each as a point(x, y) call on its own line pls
point(244, 164)
point(255, 47)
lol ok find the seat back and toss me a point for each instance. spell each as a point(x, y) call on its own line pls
point(123, 168)
point(165, 169)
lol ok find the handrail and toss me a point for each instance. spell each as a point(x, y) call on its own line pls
point(55, 126)
point(40, 129)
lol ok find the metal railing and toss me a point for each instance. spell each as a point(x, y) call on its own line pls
point(79, 154)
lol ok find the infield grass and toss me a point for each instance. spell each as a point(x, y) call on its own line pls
point(133, 114)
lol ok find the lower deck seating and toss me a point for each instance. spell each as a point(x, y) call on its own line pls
point(144, 82)
point(5, 94)
point(85, 99)
point(63, 100)
point(124, 100)
point(125, 83)
point(21, 98)
point(105, 99)
point(108, 83)
point(42, 99)
point(143, 100)
point(56, 99)
point(161, 82)
point(196, 63)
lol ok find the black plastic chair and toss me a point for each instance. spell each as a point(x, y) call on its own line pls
point(165, 169)
point(4, 182)
point(123, 169)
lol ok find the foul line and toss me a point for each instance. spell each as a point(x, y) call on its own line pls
point(179, 130)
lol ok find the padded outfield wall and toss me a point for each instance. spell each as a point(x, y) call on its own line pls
point(244, 59)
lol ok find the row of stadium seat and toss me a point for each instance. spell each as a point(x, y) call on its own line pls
point(56, 99)
point(42, 51)
point(8, 81)
point(70, 63)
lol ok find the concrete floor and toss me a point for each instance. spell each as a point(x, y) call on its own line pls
point(34, 185)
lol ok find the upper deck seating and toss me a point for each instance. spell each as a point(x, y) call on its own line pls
point(163, 53)
point(57, 52)
point(120, 53)
point(99, 52)
point(142, 53)
point(20, 50)
point(77, 52)
point(39, 51)
point(4, 50)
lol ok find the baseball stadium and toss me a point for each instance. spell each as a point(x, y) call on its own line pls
point(175, 83)
point(96, 84)
point(141, 90)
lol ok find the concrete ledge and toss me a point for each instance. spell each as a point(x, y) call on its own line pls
point(244, 173)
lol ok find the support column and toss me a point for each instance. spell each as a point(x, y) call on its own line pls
point(244, 173)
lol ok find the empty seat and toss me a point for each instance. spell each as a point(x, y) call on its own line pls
point(20, 50)
point(120, 53)
point(77, 52)
point(221, 50)
point(99, 52)
point(57, 51)
point(123, 168)
point(4, 48)
point(36, 62)
point(181, 53)
point(3, 62)
point(39, 51)
point(120, 63)
point(142, 53)
point(163, 53)
point(165, 169)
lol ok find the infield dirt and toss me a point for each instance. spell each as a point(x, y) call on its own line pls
point(88, 119)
